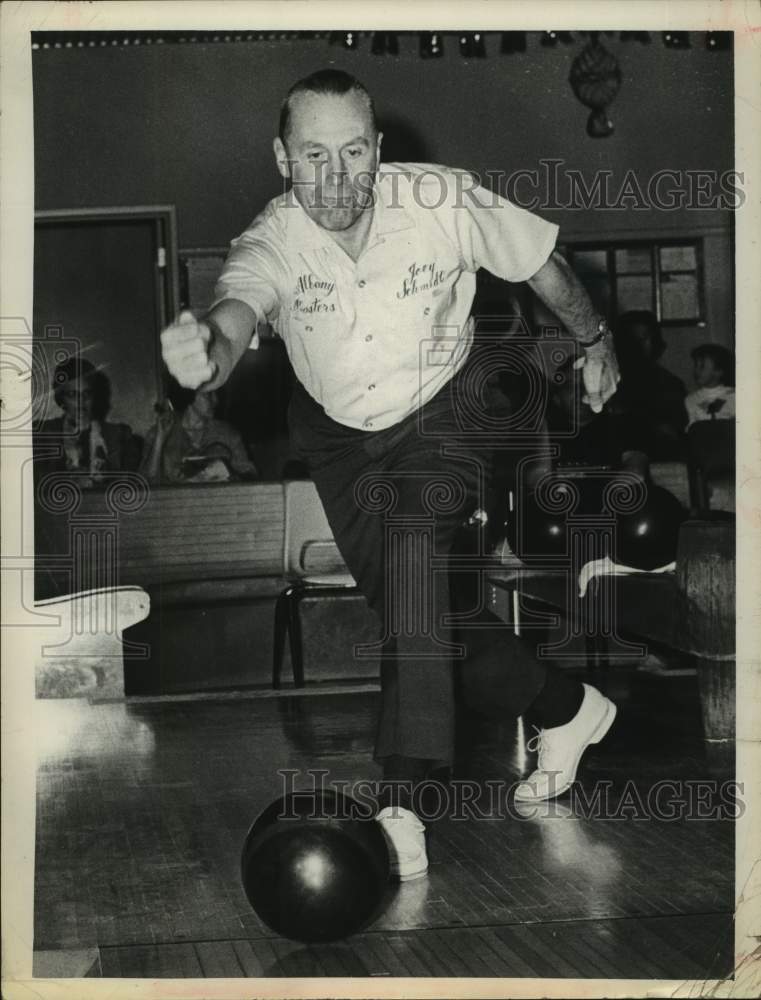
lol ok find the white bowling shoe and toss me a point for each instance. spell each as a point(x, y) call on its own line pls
point(560, 748)
point(405, 837)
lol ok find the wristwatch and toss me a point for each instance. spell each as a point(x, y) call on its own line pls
point(602, 330)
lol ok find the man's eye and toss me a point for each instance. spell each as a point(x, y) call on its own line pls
point(355, 152)
point(315, 156)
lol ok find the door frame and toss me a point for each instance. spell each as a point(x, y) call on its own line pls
point(166, 263)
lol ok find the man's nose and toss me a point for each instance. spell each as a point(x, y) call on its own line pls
point(336, 173)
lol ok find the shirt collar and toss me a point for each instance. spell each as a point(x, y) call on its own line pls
point(388, 216)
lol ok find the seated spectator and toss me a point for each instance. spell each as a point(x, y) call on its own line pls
point(194, 446)
point(714, 374)
point(650, 396)
point(84, 441)
point(608, 438)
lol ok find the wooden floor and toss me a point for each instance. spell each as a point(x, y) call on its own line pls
point(143, 807)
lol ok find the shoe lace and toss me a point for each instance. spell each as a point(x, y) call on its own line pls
point(539, 743)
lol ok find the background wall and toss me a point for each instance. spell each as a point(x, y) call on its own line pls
point(192, 125)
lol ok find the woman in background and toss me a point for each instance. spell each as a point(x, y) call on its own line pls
point(81, 440)
point(714, 373)
point(194, 446)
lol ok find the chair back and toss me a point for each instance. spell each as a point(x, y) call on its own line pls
point(710, 459)
point(308, 545)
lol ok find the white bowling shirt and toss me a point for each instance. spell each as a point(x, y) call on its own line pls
point(373, 340)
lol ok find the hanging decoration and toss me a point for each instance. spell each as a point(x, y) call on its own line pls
point(550, 38)
point(348, 39)
point(676, 39)
point(472, 45)
point(719, 41)
point(431, 43)
point(595, 75)
point(595, 79)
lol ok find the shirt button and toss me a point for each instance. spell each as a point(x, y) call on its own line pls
point(368, 338)
point(371, 387)
point(368, 423)
point(427, 311)
point(308, 329)
point(362, 283)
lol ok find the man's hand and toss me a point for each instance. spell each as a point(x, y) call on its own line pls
point(599, 368)
point(185, 347)
point(164, 418)
point(564, 295)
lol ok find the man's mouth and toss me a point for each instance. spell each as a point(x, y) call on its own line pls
point(342, 201)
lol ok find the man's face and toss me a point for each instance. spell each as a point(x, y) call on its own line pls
point(77, 402)
point(706, 373)
point(331, 156)
point(643, 337)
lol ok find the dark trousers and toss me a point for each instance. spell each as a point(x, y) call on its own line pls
point(396, 500)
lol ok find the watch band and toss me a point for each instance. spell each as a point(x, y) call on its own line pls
point(602, 330)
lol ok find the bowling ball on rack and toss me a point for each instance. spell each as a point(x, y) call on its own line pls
point(536, 529)
point(647, 538)
point(313, 868)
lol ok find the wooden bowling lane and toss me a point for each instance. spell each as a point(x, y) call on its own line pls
point(143, 807)
point(683, 947)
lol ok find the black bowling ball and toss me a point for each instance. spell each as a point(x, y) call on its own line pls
point(537, 528)
point(648, 537)
point(313, 869)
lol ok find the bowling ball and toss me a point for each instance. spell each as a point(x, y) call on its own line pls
point(647, 538)
point(537, 527)
point(312, 870)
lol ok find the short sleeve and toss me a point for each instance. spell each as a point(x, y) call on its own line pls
point(493, 233)
point(249, 275)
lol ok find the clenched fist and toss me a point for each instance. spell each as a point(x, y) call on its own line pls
point(185, 347)
point(599, 367)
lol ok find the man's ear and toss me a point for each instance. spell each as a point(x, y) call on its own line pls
point(378, 147)
point(281, 157)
